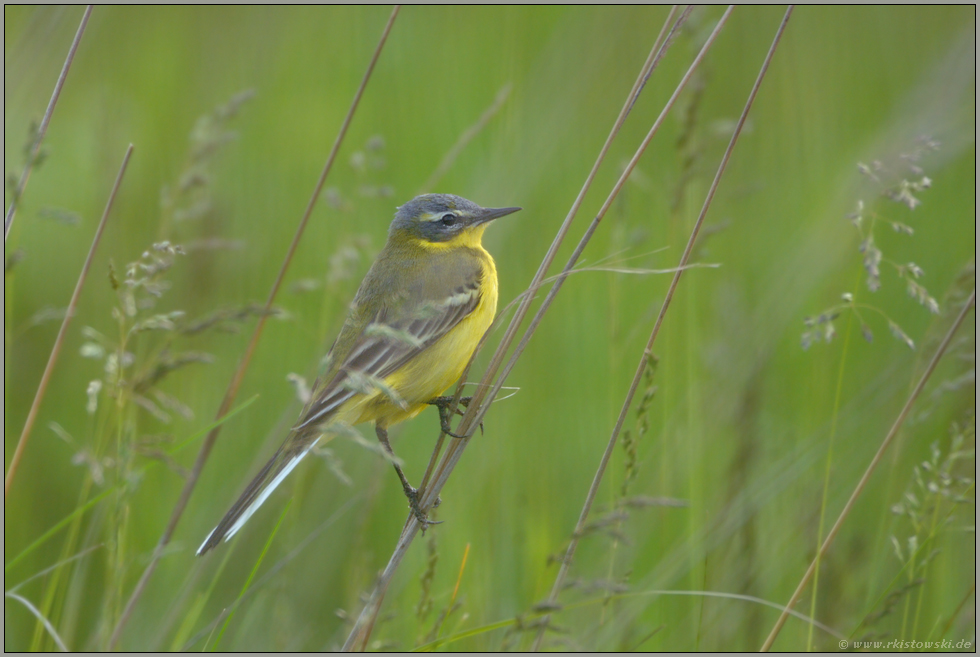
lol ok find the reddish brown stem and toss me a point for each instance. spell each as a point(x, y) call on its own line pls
point(358, 637)
point(644, 357)
point(899, 421)
point(42, 129)
point(239, 375)
point(63, 331)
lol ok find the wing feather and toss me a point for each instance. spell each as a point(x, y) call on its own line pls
point(389, 341)
point(399, 330)
point(272, 474)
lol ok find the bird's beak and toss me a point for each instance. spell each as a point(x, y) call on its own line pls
point(489, 214)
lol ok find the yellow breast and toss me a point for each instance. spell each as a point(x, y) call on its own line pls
point(433, 370)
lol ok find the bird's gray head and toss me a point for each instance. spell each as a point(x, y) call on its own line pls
point(442, 217)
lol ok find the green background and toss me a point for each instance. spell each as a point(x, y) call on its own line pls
point(742, 417)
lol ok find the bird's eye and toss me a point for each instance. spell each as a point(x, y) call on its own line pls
point(448, 219)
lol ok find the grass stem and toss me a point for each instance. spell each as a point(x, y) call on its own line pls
point(63, 331)
point(899, 421)
point(42, 129)
point(641, 367)
point(239, 375)
point(464, 139)
point(360, 633)
point(828, 466)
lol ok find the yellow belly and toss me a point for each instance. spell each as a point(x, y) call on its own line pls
point(430, 373)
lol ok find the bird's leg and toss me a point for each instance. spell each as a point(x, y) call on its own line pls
point(443, 404)
point(411, 493)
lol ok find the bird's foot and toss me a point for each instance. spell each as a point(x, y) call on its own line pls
point(413, 502)
point(443, 403)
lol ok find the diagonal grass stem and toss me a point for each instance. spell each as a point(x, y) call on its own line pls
point(239, 375)
point(661, 44)
point(464, 139)
point(721, 595)
point(42, 129)
point(647, 351)
point(360, 633)
point(37, 614)
point(656, 54)
point(251, 575)
point(889, 437)
point(42, 387)
point(61, 524)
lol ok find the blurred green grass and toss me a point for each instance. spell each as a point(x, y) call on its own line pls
point(741, 417)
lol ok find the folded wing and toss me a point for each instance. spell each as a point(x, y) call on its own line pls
point(395, 335)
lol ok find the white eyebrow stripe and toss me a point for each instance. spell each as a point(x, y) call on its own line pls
point(429, 216)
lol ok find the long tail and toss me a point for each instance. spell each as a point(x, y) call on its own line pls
point(295, 447)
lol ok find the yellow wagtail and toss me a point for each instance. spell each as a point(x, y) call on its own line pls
point(414, 324)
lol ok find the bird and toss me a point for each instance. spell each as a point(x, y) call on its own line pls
point(413, 325)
